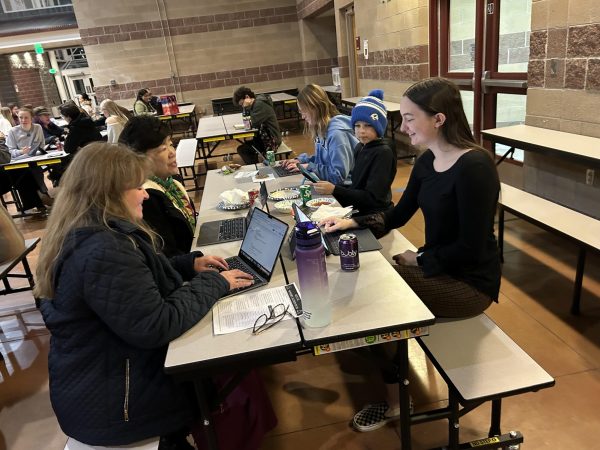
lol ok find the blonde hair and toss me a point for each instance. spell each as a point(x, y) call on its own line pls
point(114, 110)
point(313, 99)
point(7, 114)
point(91, 192)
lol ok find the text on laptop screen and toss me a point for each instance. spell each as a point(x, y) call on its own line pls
point(263, 240)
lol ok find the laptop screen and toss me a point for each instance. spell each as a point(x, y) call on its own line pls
point(263, 240)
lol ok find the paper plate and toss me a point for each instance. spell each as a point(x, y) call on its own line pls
point(316, 202)
point(285, 206)
point(232, 207)
point(284, 194)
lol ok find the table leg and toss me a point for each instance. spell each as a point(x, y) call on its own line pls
point(402, 362)
point(578, 281)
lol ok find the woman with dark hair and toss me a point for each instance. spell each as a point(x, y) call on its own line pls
point(333, 158)
point(85, 102)
point(142, 104)
point(113, 302)
point(456, 186)
point(168, 210)
point(82, 129)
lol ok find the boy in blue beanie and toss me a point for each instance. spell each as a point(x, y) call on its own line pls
point(375, 161)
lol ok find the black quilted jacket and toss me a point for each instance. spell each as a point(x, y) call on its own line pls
point(117, 305)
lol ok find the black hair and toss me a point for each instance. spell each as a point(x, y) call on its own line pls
point(70, 110)
point(241, 93)
point(85, 97)
point(143, 133)
point(141, 93)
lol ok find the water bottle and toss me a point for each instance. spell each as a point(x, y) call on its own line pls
point(312, 273)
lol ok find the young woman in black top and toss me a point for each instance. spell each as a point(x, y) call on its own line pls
point(456, 186)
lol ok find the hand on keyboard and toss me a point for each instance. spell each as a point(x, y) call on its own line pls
point(237, 279)
point(209, 262)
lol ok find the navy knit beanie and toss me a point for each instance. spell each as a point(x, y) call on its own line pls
point(372, 111)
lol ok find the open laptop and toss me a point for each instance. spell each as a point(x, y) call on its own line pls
point(278, 170)
point(367, 242)
point(224, 230)
point(260, 248)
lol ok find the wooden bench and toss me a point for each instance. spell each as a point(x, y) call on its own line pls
point(583, 230)
point(479, 363)
point(186, 159)
point(148, 444)
point(7, 267)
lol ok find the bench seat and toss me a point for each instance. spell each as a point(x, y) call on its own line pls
point(478, 362)
point(578, 227)
point(186, 159)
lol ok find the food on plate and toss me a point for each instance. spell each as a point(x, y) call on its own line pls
point(316, 202)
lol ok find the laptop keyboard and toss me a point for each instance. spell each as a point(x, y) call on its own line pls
point(231, 229)
point(235, 263)
point(282, 172)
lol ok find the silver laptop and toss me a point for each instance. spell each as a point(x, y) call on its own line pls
point(260, 248)
point(224, 230)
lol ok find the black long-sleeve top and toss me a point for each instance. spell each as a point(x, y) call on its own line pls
point(372, 177)
point(458, 205)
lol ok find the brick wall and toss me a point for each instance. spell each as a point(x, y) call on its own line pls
point(308, 8)
point(7, 89)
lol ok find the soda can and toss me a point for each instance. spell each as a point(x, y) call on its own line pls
point(348, 244)
point(253, 195)
point(271, 157)
point(305, 193)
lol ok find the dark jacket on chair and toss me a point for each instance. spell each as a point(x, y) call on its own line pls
point(116, 307)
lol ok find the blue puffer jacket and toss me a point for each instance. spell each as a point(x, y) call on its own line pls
point(117, 305)
point(333, 159)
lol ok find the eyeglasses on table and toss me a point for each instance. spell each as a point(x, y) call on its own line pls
point(266, 321)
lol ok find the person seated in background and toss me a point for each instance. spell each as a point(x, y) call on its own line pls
point(333, 159)
point(82, 129)
point(374, 160)
point(14, 110)
point(23, 181)
point(52, 132)
point(27, 138)
point(260, 109)
point(12, 243)
point(142, 105)
point(113, 302)
point(456, 185)
point(85, 102)
point(6, 120)
point(115, 120)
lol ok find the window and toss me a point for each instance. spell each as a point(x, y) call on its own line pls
point(10, 6)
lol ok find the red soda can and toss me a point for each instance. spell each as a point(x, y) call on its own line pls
point(253, 195)
point(348, 244)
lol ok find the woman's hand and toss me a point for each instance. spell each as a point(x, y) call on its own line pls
point(25, 150)
point(237, 279)
point(323, 187)
point(209, 262)
point(331, 224)
point(408, 258)
point(290, 164)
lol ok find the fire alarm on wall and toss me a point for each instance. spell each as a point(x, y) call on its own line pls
point(366, 48)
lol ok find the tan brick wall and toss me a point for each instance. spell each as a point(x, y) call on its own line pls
point(564, 94)
point(201, 50)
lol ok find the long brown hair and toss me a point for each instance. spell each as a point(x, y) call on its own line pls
point(91, 192)
point(313, 99)
point(439, 95)
point(7, 114)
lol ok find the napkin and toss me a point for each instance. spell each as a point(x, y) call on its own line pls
point(325, 211)
point(234, 197)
